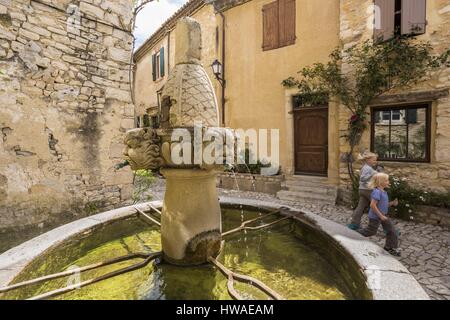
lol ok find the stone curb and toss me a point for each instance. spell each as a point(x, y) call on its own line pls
point(13, 261)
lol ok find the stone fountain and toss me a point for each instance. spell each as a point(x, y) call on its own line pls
point(191, 218)
point(191, 226)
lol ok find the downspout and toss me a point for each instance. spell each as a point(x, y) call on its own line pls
point(168, 52)
point(223, 82)
point(223, 68)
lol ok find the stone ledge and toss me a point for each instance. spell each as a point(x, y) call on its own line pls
point(411, 97)
point(396, 282)
point(250, 182)
point(13, 261)
point(433, 215)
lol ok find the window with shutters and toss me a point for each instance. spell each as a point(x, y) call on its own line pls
point(158, 66)
point(401, 133)
point(399, 17)
point(278, 24)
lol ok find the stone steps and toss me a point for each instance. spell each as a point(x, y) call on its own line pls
point(324, 190)
point(308, 188)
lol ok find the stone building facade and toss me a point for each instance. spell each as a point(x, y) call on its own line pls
point(434, 173)
point(313, 142)
point(65, 104)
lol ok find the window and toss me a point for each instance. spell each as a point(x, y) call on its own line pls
point(137, 121)
point(158, 64)
point(146, 121)
point(399, 17)
point(394, 116)
point(278, 24)
point(154, 122)
point(401, 133)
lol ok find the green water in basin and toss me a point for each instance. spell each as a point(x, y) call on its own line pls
point(276, 256)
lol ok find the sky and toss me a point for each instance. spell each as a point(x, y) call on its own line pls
point(153, 16)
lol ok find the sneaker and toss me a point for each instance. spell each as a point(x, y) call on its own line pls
point(353, 226)
point(392, 251)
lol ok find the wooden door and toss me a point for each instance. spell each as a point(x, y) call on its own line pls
point(311, 141)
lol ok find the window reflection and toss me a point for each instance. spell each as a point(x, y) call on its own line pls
point(400, 133)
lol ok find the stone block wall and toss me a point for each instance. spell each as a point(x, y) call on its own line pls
point(250, 182)
point(356, 18)
point(65, 103)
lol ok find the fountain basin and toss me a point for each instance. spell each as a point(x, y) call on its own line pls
point(348, 258)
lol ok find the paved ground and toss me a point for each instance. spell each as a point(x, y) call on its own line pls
point(425, 248)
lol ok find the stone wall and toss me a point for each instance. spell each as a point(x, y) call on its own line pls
point(65, 104)
point(250, 182)
point(354, 28)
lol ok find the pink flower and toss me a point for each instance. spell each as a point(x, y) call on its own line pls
point(354, 118)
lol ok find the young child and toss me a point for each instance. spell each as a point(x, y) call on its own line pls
point(367, 172)
point(379, 206)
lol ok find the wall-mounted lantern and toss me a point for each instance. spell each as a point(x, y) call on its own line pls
point(218, 72)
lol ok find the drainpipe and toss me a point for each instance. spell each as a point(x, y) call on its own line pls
point(223, 68)
point(168, 53)
point(223, 84)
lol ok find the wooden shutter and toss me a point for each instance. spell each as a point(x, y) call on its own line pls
point(270, 26)
point(414, 16)
point(161, 62)
point(146, 121)
point(411, 115)
point(154, 66)
point(386, 9)
point(286, 10)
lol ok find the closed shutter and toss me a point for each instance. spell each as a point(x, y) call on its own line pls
point(384, 16)
point(161, 63)
point(411, 115)
point(270, 26)
point(414, 16)
point(154, 67)
point(146, 121)
point(287, 22)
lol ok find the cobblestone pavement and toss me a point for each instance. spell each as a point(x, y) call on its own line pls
point(425, 248)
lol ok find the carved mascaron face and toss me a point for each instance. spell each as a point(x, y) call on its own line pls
point(142, 149)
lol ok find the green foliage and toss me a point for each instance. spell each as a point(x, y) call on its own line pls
point(372, 70)
point(248, 167)
point(143, 180)
point(91, 208)
point(382, 146)
point(313, 98)
point(408, 196)
point(416, 145)
point(5, 20)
